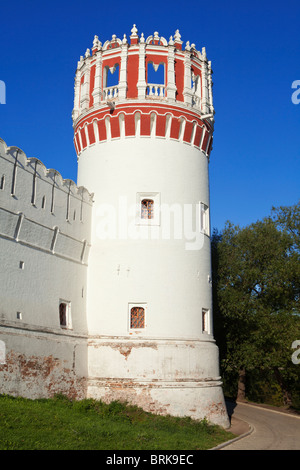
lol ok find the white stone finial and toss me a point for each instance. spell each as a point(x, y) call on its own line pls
point(113, 38)
point(193, 46)
point(87, 53)
point(188, 47)
point(80, 62)
point(177, 36)
point(96, 43)
point(134, 30)
point(124, 40)
point(171, 42)
point(204, 52)
point(156, 36)
point(142, 39)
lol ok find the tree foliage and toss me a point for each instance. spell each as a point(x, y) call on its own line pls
point(256, 273)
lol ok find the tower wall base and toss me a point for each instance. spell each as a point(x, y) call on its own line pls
point(197, 400)
point(163, 376)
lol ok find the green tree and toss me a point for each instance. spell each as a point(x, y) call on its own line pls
point(288, 218)
point(256, 295)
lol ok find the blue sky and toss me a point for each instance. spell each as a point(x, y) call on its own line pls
point(255, 52)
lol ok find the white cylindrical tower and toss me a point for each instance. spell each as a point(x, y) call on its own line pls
point(143, 148)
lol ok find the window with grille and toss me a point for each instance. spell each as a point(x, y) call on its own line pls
point(147, 209)
point(137, 317)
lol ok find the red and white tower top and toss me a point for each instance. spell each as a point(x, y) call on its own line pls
point(180, 108)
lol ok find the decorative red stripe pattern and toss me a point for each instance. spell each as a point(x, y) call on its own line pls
point(164, 121)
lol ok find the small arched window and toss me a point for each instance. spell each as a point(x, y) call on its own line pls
point(63, 314)
point(147, 209)
point(65, 319)
point(137, 317)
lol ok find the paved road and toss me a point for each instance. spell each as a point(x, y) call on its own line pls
point(271, 430)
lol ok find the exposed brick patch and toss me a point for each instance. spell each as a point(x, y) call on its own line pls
point(127, 392)
point(39, 377)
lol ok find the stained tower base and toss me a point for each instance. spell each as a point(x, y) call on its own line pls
point(130, 371)
point(197, 400)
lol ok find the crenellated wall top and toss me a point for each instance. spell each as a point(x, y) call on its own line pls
point(33, 165)
point(30, 183)
point(122, 70)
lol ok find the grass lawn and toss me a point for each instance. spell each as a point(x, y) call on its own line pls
point(61, 424)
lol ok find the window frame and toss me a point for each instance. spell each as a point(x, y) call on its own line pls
point(206, 321)
point(204, 218)
point(142, 305)
point(68, 325)
point(153, 196)
point(148, 210)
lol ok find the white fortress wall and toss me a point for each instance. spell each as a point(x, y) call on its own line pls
point(44, 246)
